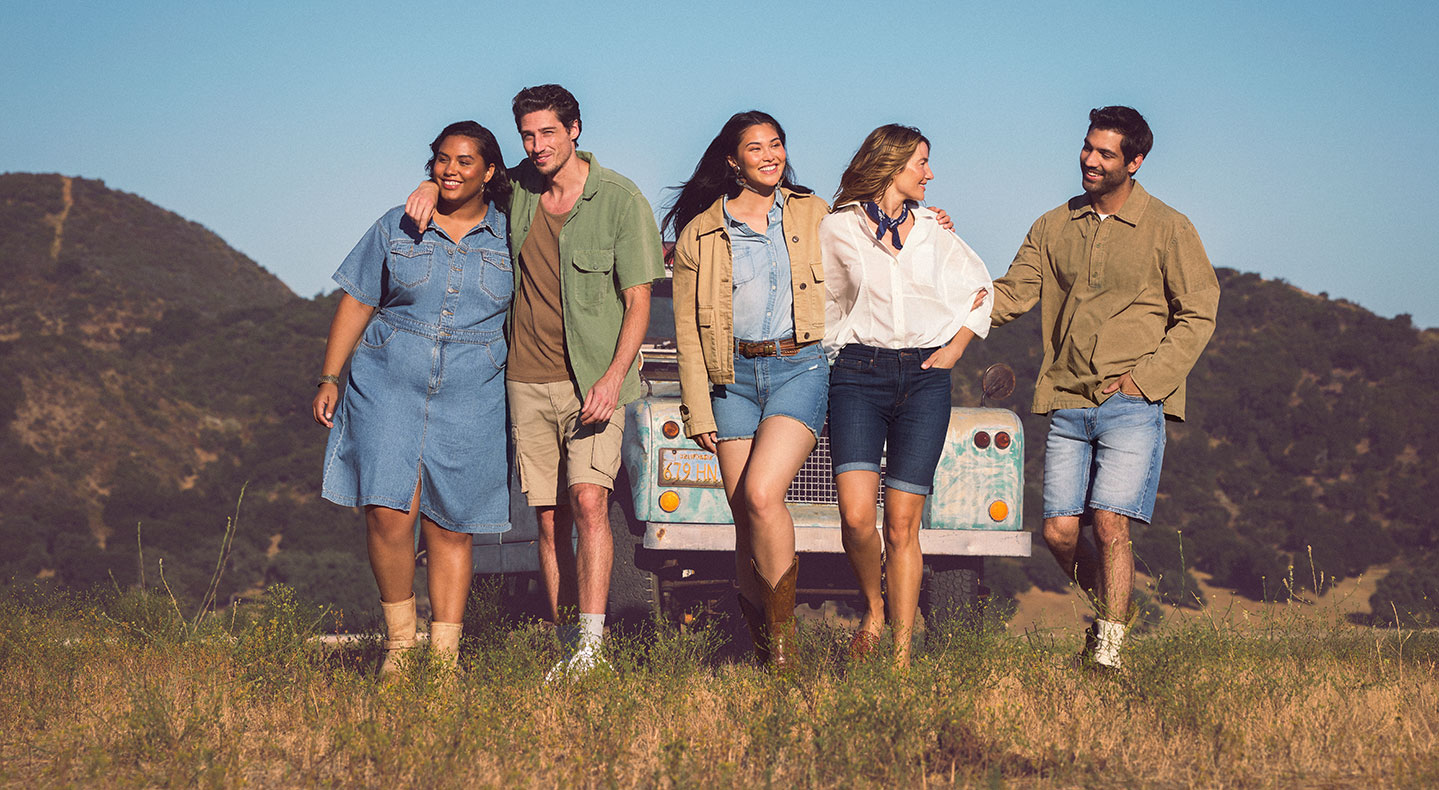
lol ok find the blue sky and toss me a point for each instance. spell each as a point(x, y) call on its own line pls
point(1299, 137)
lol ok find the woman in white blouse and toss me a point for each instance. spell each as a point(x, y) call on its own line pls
point(904, 299)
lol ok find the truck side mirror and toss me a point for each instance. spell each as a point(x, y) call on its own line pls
point(996, 382)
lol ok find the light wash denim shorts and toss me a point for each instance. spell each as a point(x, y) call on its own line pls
point(1104, 458)
point(795, 386)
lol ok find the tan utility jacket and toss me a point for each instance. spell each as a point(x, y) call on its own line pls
point(704, 290)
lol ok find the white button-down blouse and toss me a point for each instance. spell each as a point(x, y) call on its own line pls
point(919, 297)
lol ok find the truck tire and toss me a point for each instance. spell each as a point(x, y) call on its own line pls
point(634, 589)
point(951, 591)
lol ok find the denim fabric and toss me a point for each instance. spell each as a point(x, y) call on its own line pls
point(426, 390)
point(763, 294)
point(883, 404)
point(794, 386)
point(1106, 457)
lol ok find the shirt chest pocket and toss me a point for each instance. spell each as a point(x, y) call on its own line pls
point(750, 260)
point(592, 276)
point(409, 263)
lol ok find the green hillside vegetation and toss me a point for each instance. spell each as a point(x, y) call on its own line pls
point(152, 372)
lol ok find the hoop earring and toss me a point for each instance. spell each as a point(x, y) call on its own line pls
point(739, 179)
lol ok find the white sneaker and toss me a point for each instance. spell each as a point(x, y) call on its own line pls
point(559, 671)
point(572, 668)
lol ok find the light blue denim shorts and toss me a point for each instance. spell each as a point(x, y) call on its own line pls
point(794, 386)
point(1104, 458)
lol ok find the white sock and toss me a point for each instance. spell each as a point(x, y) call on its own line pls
point(1111, 634)
point(592, 632)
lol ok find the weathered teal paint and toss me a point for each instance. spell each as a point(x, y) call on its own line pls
point(969, 478)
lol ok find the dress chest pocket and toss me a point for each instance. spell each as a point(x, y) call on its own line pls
point(497, 276)
point(409, 262)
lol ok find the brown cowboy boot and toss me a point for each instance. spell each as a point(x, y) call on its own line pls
point(779, 614)
point(754, 618)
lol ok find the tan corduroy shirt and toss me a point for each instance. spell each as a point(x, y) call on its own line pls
point(1132, 293)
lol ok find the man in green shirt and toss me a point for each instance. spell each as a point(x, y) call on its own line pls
point(1128, 300)
point(586, 248)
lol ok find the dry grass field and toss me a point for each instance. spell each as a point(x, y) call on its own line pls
point(122, 691)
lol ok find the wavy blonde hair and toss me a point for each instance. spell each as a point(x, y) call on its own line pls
point(880, 158)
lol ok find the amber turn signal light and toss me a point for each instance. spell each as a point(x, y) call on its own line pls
point(670, 501)
point(998, 510)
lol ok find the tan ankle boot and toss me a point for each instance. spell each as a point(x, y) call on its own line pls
point(399, 634)
point(445, 643)
point(779, 614)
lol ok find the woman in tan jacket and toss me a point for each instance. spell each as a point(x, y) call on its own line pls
point(749, 315)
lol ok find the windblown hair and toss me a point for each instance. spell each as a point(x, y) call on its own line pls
point(497, 189)
point(547, 97)
point(714, 177)
point(1133, 129)
point(880, 158)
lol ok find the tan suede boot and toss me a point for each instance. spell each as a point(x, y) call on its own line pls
point(445, 644)
point(399, 635)
point(779, 615)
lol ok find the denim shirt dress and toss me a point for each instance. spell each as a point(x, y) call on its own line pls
point(426, 392)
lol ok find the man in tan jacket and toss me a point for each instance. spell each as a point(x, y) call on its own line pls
point(1128, 301)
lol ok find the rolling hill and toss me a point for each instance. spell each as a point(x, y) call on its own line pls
point(152, 371)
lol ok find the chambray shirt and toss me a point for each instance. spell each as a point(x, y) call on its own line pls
point(763, 297)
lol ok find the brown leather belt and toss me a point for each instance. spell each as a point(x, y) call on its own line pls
point(784, 347)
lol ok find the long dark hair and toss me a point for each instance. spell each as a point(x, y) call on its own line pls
point(714, 177)
point(497, 190)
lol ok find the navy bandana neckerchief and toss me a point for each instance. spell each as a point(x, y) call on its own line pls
point(885, 223)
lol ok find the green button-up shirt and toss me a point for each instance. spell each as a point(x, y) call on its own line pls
point(610, 242)
point(1132, 293)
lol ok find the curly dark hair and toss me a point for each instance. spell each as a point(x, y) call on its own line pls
point(497, 190)
point(713, 177)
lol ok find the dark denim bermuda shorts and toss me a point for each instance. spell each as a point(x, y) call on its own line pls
point(881, 399)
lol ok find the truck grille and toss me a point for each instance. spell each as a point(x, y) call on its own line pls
point(814, 484)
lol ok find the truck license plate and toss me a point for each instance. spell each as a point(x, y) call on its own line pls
point(681, 467)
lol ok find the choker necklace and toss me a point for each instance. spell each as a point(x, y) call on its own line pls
point(885, 223)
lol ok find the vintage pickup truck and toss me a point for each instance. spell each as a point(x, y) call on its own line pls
point(674, 539)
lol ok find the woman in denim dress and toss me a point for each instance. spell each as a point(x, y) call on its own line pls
point(749, 314)
point(904, 298)
point(420, 430)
